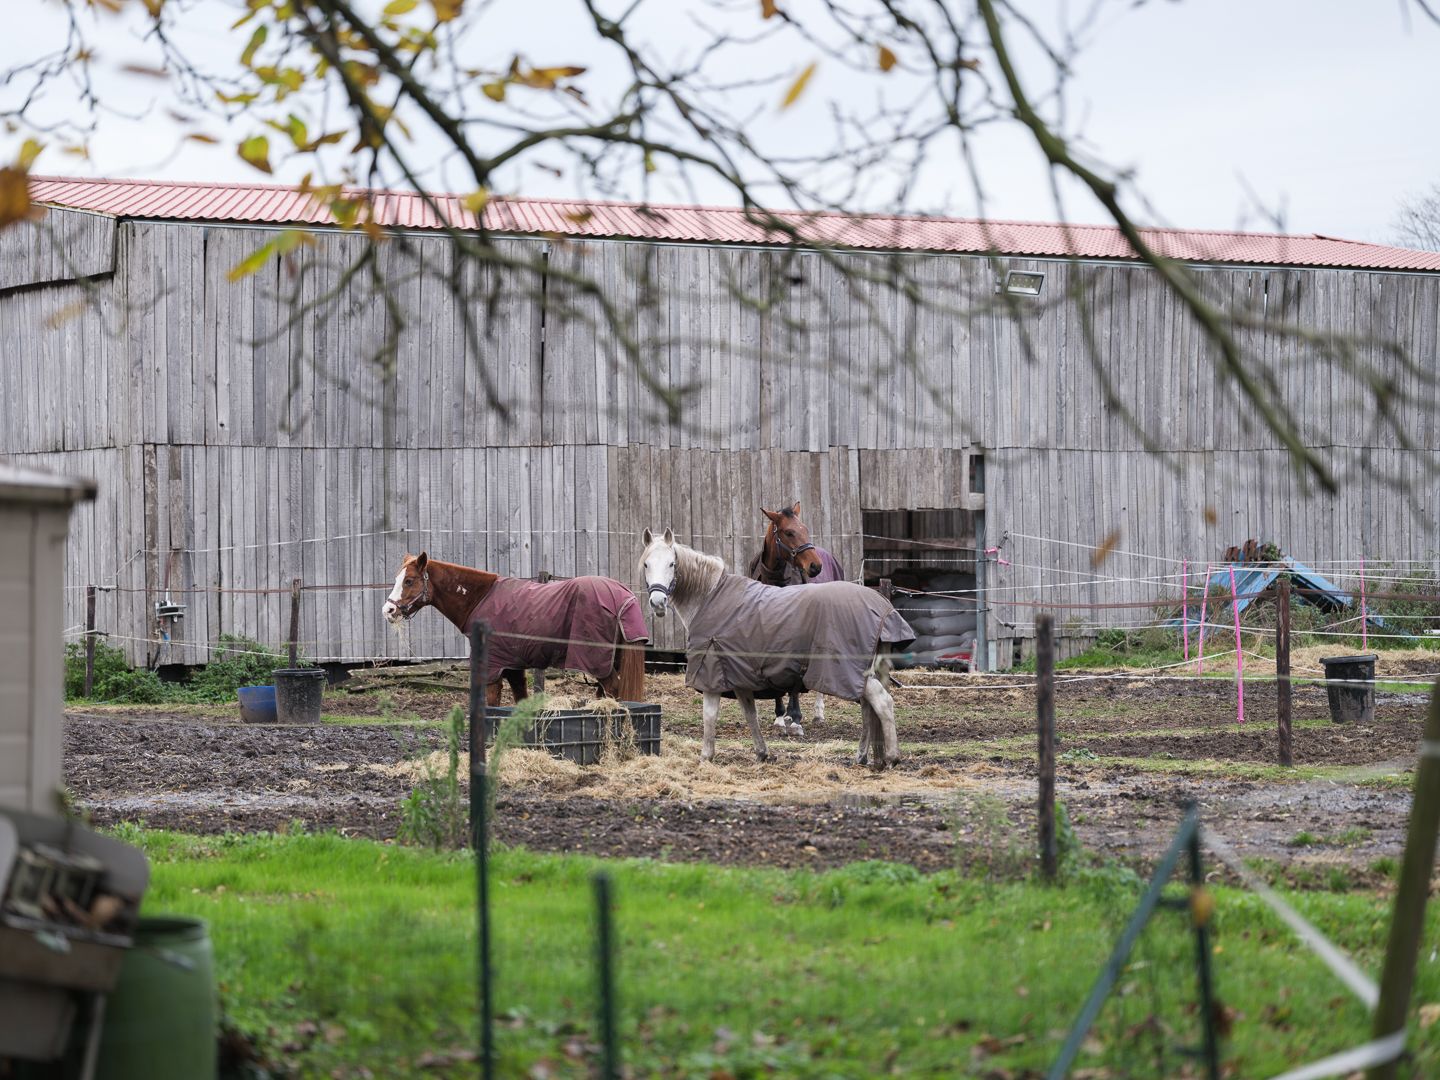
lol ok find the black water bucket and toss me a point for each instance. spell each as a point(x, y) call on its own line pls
point(579, 735)
point(297, 694)
point(1353, 700)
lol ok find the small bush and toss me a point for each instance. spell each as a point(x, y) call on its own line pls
point(235, 662)
point(436, 814)
point(110, 663)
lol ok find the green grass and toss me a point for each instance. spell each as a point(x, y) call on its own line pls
point(342, 954)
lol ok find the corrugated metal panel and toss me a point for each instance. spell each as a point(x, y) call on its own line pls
point(273, 204)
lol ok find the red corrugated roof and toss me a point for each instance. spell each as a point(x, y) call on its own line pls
point(277, 205)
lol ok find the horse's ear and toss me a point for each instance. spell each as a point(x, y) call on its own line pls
point(670, 536)
point(771, 514)
point(421, 560)
point(649, 537)
point(795, 509)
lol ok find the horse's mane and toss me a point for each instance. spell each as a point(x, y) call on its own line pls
point(695, 570)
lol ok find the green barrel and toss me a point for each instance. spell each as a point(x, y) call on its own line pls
point(160, 1020)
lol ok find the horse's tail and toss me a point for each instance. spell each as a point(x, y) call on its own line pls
point(882, 664)
point(630, 664)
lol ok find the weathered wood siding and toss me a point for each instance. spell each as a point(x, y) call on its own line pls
point(246, 433)
point(32, 535)
point(61, 246)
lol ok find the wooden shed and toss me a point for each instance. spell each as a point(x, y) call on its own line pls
point(34, 527)
point(242, 439)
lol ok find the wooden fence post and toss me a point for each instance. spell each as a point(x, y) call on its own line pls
point(295, 623)
point(89, 639)
point(1407, 924)
point(1045, 717)
point(1282, 669)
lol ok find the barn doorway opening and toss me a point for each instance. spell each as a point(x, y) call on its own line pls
point(929, 559)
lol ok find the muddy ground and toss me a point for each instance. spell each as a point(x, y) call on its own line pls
point(1132, 753)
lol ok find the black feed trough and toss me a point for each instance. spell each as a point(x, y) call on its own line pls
point(580, 735)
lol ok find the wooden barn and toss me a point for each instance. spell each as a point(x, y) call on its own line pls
point(295, 423)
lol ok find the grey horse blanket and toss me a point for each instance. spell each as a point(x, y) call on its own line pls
point(818, 638)
point(570, 624)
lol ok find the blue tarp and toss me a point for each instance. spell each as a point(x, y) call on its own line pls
point(1252, 578)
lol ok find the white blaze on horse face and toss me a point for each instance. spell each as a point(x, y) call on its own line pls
point(391, 611)
point(659, 571)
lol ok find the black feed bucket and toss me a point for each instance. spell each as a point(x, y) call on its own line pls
point(1352, 701)
point(579, 735)
point(297, 694)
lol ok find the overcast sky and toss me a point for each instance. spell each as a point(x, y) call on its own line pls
point(1227, 110)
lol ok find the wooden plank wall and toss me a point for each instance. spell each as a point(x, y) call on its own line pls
point(713, 500)
point(61, 246)
point(264, 444)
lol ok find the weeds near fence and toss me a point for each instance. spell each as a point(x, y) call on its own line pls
point(436, 814)
point(988, 846)
point(236, 661)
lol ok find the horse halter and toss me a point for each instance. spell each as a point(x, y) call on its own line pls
point(787, 556)
point(420, 601)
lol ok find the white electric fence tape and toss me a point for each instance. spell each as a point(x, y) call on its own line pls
point(1344, 969)
point(1361, 985)
point(1348, 1061)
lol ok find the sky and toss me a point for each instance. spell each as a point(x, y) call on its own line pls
point(1316, 116)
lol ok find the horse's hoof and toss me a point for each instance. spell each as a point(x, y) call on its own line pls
point(797, 731)
point(762, 756)
point(861, 759)
point(707, 756)
point(781, 723)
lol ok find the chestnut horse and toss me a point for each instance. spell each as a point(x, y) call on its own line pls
point(589, 624)
point(787, 557)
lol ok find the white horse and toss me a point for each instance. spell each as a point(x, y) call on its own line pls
point(751, 639)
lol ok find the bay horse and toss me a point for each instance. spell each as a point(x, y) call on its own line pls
point(748, 639)
point(787, 557)
point(590, 624)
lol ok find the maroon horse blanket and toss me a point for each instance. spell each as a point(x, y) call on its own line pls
point(771, 640)
point(571, 624)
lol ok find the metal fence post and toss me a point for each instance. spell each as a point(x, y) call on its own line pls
point(605, 955)
point(479, 839)
point(1200, 917)
point(1045, 716)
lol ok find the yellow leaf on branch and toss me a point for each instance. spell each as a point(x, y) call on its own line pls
point(798, 86)
point(256, 151)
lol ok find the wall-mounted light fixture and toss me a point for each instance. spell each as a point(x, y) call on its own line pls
point(1024, 282)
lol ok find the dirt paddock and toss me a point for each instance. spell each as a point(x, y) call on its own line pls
point(1132, 753)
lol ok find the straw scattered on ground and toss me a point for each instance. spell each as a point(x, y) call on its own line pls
point(808, 772)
